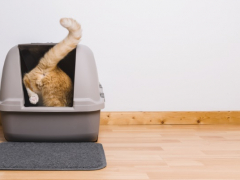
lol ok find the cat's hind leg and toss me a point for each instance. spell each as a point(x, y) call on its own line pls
point(33, 97)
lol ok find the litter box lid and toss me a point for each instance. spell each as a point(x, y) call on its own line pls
point(88, 95)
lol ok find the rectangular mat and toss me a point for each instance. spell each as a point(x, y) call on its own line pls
point(51, 156)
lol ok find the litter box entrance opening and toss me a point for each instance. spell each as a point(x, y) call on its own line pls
point(30, 54)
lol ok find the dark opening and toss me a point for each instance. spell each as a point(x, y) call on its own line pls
point(30, 54)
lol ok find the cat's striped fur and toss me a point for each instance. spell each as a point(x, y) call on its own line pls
point(47, 83)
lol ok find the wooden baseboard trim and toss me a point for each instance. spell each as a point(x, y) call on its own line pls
point(170, 117)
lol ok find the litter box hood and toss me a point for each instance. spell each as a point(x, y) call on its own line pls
point(88, 95)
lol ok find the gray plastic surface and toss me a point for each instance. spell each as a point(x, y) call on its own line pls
point(50, 126)
point(86, 87)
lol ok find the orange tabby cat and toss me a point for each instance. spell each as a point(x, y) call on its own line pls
point(47, 83)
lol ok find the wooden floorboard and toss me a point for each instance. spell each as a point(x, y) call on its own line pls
point(158, 152)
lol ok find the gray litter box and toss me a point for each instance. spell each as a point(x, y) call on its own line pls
point(23, 121)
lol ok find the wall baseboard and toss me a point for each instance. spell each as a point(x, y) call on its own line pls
point(169, 117)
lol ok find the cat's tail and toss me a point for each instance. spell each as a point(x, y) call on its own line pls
point(60, 50)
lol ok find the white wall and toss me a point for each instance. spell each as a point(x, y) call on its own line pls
point(151, 55)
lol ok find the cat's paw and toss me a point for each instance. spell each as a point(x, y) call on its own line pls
point(34, 99)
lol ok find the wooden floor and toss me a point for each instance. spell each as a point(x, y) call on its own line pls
point(134, 152)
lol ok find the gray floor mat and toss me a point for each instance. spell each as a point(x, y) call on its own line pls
point(51, 156)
